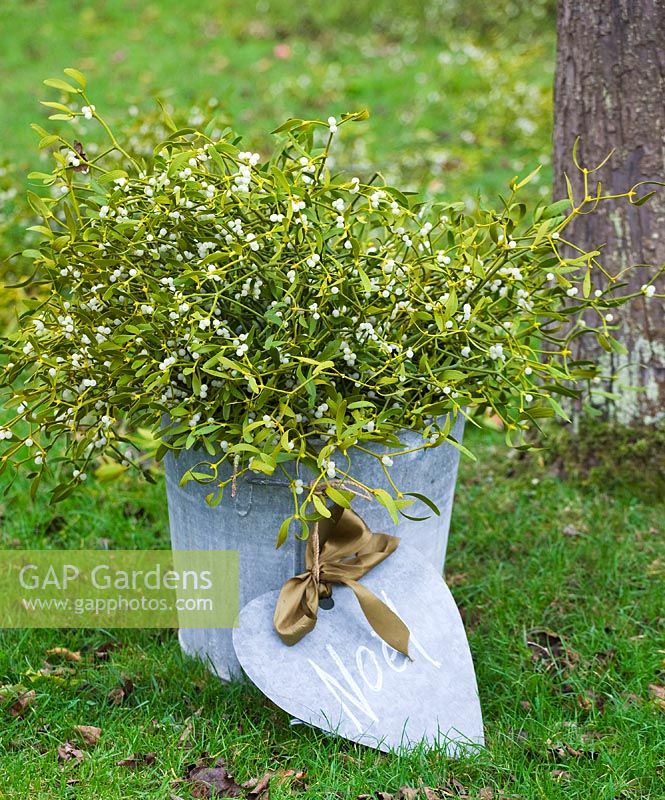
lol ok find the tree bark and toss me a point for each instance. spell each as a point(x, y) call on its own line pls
point(610, 92)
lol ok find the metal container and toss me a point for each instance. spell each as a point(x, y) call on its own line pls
point(249, 523)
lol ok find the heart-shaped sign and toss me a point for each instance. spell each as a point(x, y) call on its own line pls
point(344, 679)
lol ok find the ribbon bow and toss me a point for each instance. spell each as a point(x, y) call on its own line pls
point(348, 550)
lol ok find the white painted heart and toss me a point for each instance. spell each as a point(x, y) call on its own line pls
point(343, 679)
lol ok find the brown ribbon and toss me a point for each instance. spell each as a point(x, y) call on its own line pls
point(340, 550)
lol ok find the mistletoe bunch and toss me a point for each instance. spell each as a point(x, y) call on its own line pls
point(276, 315)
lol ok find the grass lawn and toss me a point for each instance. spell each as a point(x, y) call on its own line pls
point(532, 559)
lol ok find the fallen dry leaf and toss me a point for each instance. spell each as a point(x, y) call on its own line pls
point(103, 652)
point(486, 793)
point(89, 733)
point(260, 787)
point(116, 695)
point(591, 736)
point(59, 671)
point(215, 781)
point(186, 731)
point(590, 699)
point(295, 774)
point(632, 699)
point(564, 750)
point(560, 773)
point(70, 752)
point(138, 760)
point(294, 777)
point(605, 656)
point(189, 726)
point(63, 652)
point(21, 702)
point(658, 694)
point(584, 702)
point(210, 781)
point(548, 648)
point(120, 692)
point(458, 787)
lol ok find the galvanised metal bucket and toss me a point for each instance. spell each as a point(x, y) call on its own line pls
point(249, 523)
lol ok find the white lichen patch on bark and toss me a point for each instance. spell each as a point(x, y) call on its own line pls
point(610, 92)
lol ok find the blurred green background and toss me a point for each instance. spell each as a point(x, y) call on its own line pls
point(459, 92)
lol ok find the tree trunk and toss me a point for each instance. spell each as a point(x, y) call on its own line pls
point(610, 91)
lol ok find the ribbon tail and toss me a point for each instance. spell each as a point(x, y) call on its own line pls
point(296, 609)
point(382, 618)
